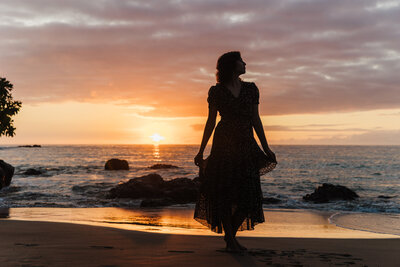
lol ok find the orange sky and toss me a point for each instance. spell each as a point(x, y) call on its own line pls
point(120, 71)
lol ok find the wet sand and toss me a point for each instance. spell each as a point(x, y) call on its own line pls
point(170, 237)
point(25, 243)
point(175, 220)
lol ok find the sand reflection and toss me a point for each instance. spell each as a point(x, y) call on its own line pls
point(279, 223)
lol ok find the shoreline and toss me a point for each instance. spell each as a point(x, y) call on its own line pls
point(283, 223)
point(28, 243)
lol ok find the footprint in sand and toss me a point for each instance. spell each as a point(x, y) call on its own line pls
point(26, 245)
point(102, 247)
point(181, 251)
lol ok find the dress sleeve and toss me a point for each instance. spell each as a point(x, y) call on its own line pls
point(212, 97)
point(256, 94)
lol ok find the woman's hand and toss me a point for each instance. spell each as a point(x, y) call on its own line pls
point(198, 160)
point(270, 154)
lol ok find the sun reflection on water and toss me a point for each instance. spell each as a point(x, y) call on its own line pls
point(156, 152)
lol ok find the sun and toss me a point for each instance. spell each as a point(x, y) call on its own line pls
point(156, 137)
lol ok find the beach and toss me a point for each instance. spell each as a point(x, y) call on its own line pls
point(63, 217)
point(302, 239)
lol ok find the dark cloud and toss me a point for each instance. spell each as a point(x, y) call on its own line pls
point(373, 137)
point(305, 56)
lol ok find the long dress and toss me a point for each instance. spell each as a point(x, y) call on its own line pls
point(230, 179)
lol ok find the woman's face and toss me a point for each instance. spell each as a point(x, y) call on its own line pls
point(240, 66)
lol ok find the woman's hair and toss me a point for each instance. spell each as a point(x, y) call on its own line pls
point(226, 65)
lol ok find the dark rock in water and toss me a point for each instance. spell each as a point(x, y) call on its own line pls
point(270, 200)
point(116, 164)
point(148, 186)
point(156, 202)
point(6, 173)
point(31, 146)
point(163, 166)
point(197, 181)
point(386, 197)
point(181, 190)
point(328, 192)
point(32, 172)
point(155, 190)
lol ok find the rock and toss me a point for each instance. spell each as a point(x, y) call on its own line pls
point(6, 173)
point(32, 172)
point(197, 181)
point(31, 146)
point(163, 166)
point(2, 178)
point(4, 213)
point(270, 200)
point(148, 186)
point(116, 164)
point(386, 197)
point(156, 202)
point(181, 190)
point(328, 192)
point(155, 190)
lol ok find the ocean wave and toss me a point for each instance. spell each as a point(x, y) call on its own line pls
point(97, 189)
point(370, 222)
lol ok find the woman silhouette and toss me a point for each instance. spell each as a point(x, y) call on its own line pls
point(230, 197)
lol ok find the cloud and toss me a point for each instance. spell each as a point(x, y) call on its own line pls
point(308, 56)
point(314, 128)
point(197, 127)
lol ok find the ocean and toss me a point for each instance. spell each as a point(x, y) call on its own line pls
point(73, 176)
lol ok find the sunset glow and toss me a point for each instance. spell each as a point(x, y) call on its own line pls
point(119, 71)
point(156, 137)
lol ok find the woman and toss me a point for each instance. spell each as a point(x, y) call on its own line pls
point(230, 197)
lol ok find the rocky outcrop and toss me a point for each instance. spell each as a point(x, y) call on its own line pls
point(157, 192)
point(31, 146)
point(163, 166)
point(148, 186)
point(32, 172)
point(6, 173)
point(116, 164)
point(329, 192)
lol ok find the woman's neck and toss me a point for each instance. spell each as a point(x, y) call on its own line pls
point(234, 81)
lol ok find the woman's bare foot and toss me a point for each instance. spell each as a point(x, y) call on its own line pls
point(232, 246)
point(240, 246)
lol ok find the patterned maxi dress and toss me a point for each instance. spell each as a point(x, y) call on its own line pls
point(230, 177)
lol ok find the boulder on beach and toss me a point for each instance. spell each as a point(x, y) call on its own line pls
point(163, 166)
point(6, 173)
point(156, 191)
point(328, 192)
point(116, 164)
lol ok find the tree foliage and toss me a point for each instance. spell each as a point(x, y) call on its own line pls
point(8, 108)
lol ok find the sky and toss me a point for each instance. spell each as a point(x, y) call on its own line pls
point(118, 72)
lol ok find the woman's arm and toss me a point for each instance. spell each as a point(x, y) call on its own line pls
point(258, 127)
point(208, 129)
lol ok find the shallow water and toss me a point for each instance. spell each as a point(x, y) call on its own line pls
point(74, 176)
